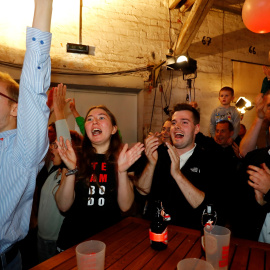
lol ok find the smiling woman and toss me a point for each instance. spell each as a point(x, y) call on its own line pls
point(102, 189)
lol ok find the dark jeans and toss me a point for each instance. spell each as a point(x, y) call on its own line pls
point(15, 264)
point(46, 249)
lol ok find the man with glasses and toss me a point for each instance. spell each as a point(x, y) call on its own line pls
point(23, 135)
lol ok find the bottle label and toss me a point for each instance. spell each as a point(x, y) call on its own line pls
point(159, 237)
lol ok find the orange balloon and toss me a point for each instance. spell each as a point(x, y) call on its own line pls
point(256, 15)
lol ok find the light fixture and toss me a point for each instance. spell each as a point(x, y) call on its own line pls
point(243, 105)
point(182, 62)
point(181, 59)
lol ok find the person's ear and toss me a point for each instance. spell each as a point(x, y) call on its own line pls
point(14, 109)
point(114, 130)
point(197, 128)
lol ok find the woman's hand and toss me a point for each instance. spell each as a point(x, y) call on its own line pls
point(67, 153)
point(128, 157)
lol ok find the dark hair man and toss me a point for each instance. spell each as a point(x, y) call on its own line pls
point(180, 175)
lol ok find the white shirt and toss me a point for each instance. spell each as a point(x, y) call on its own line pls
point(184, 157)
point(265, 232)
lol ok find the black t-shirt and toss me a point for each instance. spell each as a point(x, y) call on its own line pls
point(95, 206)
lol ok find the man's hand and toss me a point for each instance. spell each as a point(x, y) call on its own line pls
point(259, 178)
point(175, 159)
point(151, 145)
point(50, 99)
point(128, 157)
point(235, 148)
point(259, 197)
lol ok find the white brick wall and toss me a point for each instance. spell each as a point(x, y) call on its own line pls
point(126, 33)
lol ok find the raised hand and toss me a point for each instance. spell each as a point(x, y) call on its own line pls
point(128, 157)
point(67, 153)
point(72, 108)
point(59, 102)
point(175, 159)
point(50, 99)
point(235, 148)
point(151, 145)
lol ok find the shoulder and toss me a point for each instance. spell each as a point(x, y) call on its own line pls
point(258, 156)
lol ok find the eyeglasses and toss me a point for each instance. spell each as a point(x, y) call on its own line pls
point(1, 94)
point(53, 145)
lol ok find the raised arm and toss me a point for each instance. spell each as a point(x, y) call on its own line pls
point(33, 112)
point(145, 180)
point(59, 102)
point(42, 15)
point(79, 119)
point(125, 194)
point(248, 143)
point(193, 195)
point(65, 194)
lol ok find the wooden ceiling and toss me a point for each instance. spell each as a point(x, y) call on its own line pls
point(232, 6)
point(198, 11)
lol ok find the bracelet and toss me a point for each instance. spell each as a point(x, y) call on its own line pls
point(71, 172)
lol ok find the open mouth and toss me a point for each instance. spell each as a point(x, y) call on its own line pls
point(96, 131)
point(179, 135)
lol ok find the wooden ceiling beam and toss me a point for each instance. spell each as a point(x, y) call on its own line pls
point(191, 26)
point(173, 3)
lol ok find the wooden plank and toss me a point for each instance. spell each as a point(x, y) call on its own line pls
point(240, 260)
point(118, 249)
point(173, 3)
point(131, 255)
point(256, 259)
point(192, 25)
point(180, 252)
point(158, 260)
point(196, 251)
point(250, 243)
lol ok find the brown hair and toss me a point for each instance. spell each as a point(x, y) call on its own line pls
point(187, 107)
point(227, 88)
point(11, 85)
point(88, 151)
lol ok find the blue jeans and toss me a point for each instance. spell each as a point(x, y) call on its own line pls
point(15, 264)
point(46, 249)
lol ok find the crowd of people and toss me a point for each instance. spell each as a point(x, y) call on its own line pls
point(68, 185)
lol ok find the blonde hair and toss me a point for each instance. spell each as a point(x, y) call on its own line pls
point(11, 85)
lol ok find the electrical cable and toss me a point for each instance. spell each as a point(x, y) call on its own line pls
point(76, 73)
point(153, 109)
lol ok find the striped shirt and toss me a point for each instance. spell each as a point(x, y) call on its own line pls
point(23, 149)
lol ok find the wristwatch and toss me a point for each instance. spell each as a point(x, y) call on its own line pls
point(70, 172)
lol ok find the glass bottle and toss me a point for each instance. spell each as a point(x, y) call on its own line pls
point(158, 232)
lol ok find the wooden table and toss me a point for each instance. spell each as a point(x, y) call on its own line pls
point(128, 247)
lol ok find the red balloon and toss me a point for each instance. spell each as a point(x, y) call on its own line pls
point(256, 15)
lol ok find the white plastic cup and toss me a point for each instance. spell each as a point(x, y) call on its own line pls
point(91, 255)
point(194, 264)
point(217, 243)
